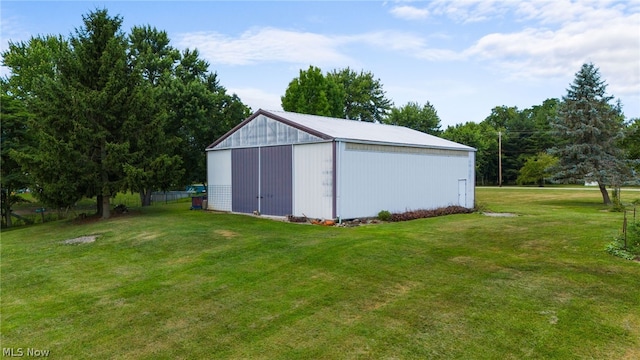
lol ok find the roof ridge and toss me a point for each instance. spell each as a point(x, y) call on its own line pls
point(339, 119)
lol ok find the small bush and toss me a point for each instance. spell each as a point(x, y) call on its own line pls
point(632, 250)
point(384, 215)
point(481, 207)
point(617, 204)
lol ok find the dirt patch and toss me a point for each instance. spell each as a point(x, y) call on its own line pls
point(499, 214)
point(81, 240)
point(226, 233)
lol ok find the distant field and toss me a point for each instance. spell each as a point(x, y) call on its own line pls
point(169, 283)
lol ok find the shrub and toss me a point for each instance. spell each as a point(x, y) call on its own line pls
point(632, 249)
point(421, 214)
point(384, 215)
point(617, 204)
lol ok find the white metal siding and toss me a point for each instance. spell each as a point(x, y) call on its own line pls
point(313, 180)
point(471, 182)
point(219, 180)
point(371, 181)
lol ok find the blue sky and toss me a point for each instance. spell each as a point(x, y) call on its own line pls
point(464, 57)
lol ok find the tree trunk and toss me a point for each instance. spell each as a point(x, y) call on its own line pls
point(605, 194)
point(99, 205)
point(145, 197)
point(8, 216)
point(106, 207)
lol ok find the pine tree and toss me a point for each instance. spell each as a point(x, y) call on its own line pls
point(14, 137)
point(590, 128)
point(152, 163)
point(81, 110)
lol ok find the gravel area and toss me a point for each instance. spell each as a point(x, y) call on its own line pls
point(499, 214)
point(81, 240)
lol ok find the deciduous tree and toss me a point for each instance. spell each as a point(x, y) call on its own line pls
point(341, 93)
point(536, 169)
point(484, 139)
point(422, 118)
point(313, 93)
point(364, 98)
point(201, 110)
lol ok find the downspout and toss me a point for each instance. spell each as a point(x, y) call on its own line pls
point(337, 163)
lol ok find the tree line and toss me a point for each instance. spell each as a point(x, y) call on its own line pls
point(102, 111)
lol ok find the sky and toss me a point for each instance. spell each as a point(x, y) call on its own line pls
point(463, 57)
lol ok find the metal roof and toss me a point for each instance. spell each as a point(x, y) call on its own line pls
point(354, 131)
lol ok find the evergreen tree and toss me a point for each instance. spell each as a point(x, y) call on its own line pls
point(55, 169)
point(111, 113)
point(15, 137)
point(590, 128)
point(153, 163)
point(101, 82)
point(81, 104)
point(631, 144)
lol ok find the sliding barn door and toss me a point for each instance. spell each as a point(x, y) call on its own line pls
point(245, 180)
point(276, 180)
point(262, 180)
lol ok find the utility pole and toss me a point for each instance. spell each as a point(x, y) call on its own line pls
point(500, 158)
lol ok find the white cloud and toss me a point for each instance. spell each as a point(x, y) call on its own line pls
point(258, 98)
point(410, 12)
point(11, 29)
point(605, 37)
point(264, 45)
point(558, 38)
point(470, 11)
point(277, 45)
point(388, 40)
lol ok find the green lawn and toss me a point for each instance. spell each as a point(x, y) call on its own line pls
point(170, 283)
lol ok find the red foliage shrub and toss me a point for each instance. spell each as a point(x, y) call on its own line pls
point(421, 214)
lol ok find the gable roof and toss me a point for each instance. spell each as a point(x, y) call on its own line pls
point(328, 128)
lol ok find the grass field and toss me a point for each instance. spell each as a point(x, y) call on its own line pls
point(170, 283)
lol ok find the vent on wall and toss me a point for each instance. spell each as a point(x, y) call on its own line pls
point(404, 150)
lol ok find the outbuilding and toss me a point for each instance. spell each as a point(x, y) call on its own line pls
point(283, 163)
